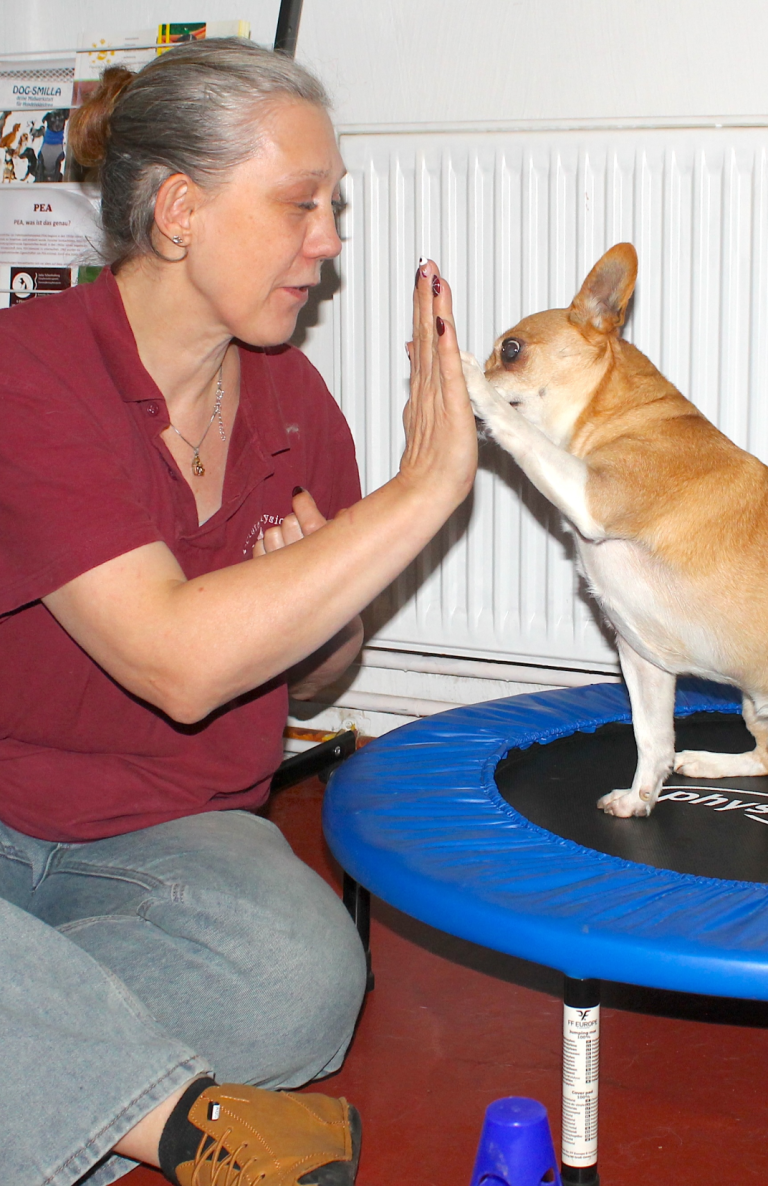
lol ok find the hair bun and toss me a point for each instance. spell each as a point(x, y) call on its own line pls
point(89, 126)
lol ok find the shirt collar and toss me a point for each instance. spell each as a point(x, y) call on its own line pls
point(117, 344)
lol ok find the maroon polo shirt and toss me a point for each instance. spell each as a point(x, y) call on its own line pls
point(85, 478)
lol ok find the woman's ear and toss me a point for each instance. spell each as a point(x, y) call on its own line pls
point(602, 301)
point(174, 205)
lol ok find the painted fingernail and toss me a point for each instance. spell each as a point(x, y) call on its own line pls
point(436, 286)
point(407, 351)
point(297, 490)
point(440, 326)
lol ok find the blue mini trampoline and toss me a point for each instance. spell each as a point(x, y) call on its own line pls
point(482, 822)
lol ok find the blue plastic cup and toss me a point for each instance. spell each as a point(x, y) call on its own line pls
point(516, 1146)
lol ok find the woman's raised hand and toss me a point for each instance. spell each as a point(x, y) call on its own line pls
point(440, 431)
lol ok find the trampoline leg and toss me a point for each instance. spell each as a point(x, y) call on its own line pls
point(357, 900)
point(581, 1069)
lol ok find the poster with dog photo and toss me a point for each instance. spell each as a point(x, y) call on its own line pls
point(33, 145)
point(35, 100)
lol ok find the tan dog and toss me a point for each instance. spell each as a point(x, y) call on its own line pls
point(670, 517)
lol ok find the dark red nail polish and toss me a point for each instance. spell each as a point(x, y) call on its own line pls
point(436, 286)
point(297, 490)
point(440, 326)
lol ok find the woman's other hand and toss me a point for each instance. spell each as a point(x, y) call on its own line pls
point(301, 522)
point(441, 436)
point(331, 660)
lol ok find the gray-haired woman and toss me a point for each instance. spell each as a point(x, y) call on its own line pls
point(183, 539)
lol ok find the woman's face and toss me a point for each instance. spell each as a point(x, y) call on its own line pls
point(257, 244)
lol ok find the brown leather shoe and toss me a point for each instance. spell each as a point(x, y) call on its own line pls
point(252, 1137)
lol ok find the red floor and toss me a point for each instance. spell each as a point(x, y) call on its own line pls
point(450, 1027)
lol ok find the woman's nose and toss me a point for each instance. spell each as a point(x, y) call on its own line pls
point(323, 241)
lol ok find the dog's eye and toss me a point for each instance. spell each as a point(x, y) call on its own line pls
point(510, 348)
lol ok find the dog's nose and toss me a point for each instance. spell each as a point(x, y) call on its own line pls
point(510, 348)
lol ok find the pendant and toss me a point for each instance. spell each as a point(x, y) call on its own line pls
point(198, 469)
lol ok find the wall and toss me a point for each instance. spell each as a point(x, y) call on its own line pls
point(428, 61)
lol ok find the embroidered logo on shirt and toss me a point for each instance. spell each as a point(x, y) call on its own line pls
point(257, 531)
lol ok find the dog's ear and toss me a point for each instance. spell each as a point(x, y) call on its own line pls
point(602, 301)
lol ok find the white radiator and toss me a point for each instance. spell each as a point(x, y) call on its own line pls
point(516, 219)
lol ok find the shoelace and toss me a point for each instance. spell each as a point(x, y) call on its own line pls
point(223, 1164)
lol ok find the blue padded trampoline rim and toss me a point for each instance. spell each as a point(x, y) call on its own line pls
point(416, 817)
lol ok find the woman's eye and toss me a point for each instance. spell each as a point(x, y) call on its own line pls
point(510, 348)
point(307, 205)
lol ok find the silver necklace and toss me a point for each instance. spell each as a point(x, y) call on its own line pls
point(198, 469)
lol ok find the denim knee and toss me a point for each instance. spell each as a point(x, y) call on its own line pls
point(239, 950)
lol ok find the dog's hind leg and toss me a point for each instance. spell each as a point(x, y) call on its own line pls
point(701, 764)
point(652, 696)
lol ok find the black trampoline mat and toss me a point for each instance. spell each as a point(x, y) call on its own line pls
point(708, 827)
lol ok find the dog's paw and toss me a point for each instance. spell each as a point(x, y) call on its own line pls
point(481, 394)
point(701, 764)
point(471, 368)
point(624, 804)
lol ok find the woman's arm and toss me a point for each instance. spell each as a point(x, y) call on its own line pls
point(190, 646)
point(328, 663)
point(333, 658)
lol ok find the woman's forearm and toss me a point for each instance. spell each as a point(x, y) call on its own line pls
point(189, 647)
point(326, 664)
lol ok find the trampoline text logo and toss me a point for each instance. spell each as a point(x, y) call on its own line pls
point(706, 797)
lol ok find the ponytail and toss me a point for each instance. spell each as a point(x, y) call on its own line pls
point(89, 125)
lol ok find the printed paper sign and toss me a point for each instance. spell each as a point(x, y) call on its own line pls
point(49, 226)
point(36, 85)
point(23, 283)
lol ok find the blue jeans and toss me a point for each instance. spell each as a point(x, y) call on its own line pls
point(130, 965)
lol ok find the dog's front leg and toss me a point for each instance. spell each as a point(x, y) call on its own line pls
point(561, 477)
point(652, 696)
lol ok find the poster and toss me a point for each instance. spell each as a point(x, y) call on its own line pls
point(174, 34)
point(50, 226)
point(37, 85)
point(33, 145)
point(97, 52)
point(19, 284)
point(35, 100)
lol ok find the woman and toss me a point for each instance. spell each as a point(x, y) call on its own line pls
point(183, 539)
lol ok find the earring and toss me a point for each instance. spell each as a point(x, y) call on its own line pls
point(177, 239)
